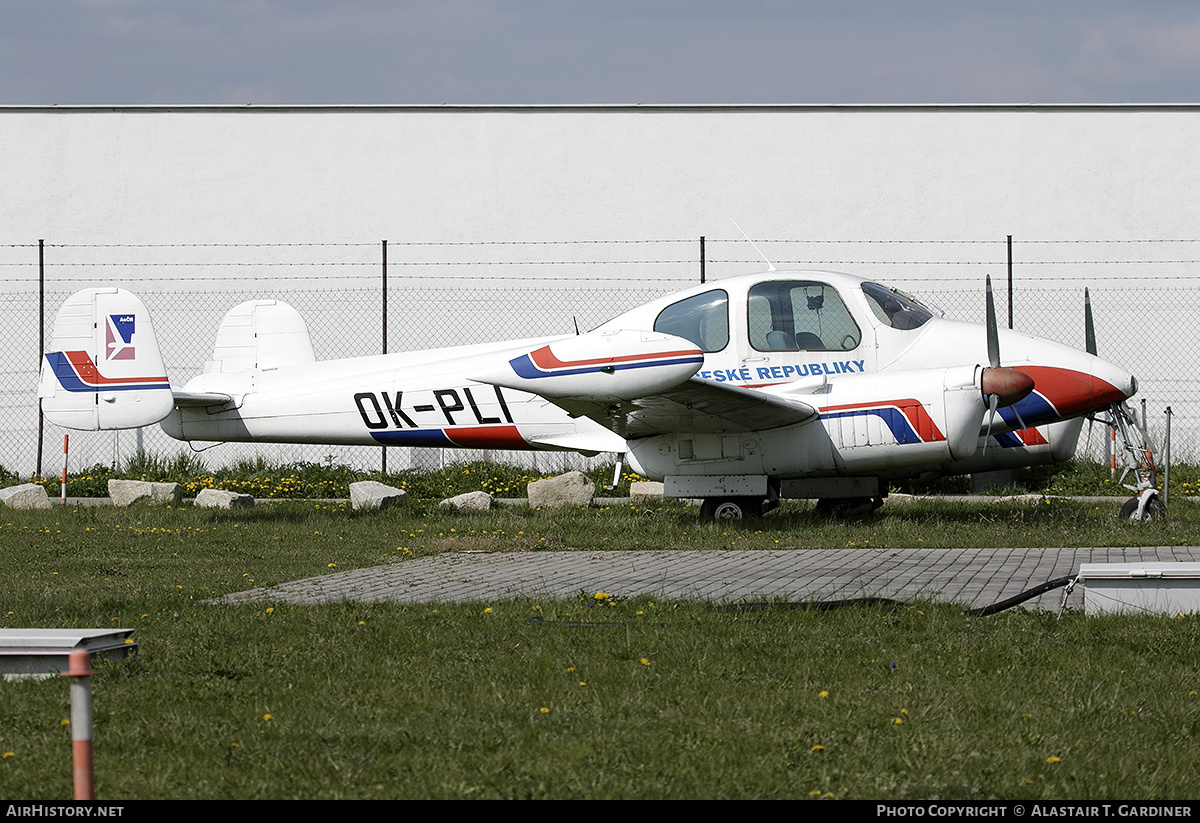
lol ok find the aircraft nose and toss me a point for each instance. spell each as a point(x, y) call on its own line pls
point(1073, 392)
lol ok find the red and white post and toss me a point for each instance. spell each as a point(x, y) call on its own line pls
point(63, 496)
point(80, 672)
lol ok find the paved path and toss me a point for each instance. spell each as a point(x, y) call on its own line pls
point(971, 577)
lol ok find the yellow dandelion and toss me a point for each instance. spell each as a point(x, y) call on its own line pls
point(488, 610)
point(644, 661)
point(268, 717)
point(64, 722)
point(1053, 759)
point(544, 710)
point(600, 596)
point(7, 755)
point(817, 748)
point(897, 721)
point(823, 694)
point(270, 609)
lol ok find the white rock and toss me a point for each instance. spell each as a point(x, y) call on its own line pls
point(471, 500)
point(570, 489)
point(646, 490)
point(25, 496)
point(128, 492)
point(371, 494)
point(221, 499)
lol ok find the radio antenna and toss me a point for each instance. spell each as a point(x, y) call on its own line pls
point(770, 265)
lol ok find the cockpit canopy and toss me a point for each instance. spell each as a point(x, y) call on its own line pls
point(785, 315)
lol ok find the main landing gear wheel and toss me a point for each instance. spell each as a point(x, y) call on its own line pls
point(848, 506)
point(1155, 510)
point(730, 508)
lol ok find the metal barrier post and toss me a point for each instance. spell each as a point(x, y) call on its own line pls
point(80, 672)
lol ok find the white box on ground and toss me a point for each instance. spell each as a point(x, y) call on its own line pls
point(1147, 588)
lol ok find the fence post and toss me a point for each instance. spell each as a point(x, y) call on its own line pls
point(1167, 461)
point(41, 342)
point(702, 259)
point(383, 449)
point(1010, 283)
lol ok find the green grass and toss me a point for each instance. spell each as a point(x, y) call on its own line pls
point(445, 700)
point(326, 481)
point(306, 480)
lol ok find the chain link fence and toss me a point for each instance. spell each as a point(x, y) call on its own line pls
point(446, 294)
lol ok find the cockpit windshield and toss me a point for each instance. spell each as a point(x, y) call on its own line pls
point(702, 319)
point(895, 308)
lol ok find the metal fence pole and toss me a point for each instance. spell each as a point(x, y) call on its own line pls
point(1167, 462)
point(41, 342)
point(383, 449)
point(1010, 283)
point(702, 259)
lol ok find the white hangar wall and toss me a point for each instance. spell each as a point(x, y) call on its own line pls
point(528, 205)
point(264, 174)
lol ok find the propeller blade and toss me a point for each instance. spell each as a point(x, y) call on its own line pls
point(1019, 420)
point(993, 404)
point(993, 333)
point(1089, 328)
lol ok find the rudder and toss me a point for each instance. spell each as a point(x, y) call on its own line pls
point(104, 369)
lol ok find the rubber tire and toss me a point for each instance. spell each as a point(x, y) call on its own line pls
point(1154, 509)
point(848, 506)
point(730, 508)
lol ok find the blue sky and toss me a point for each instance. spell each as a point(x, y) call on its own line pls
point(618, 51)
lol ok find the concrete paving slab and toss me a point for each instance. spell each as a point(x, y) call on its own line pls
point(969, 577)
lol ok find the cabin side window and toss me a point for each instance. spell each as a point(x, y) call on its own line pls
point(895, 308)
point(702, 319)
point(800, 315)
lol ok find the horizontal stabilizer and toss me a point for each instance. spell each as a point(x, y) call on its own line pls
point(196, 398)
point(104, 370)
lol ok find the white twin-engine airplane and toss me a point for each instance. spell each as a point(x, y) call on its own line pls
point(741, 392)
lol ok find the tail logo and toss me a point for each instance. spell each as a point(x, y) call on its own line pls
point(119, 337)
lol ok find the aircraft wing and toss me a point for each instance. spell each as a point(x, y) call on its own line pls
point(639, 384)
point(694, 406)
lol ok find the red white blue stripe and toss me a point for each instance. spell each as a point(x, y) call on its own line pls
point(906, 419)
point(77, 373)
point(543, 363)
